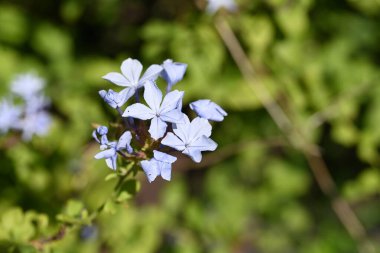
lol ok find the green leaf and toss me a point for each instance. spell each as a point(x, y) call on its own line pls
point(110, 176)
point(123, 196)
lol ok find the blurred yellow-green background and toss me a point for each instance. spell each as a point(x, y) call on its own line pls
point(262, 189)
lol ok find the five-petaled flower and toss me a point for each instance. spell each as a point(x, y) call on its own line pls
point(130, 76)
point(110, 149)
point(191, 138)
point(159, 113)
point(160, 164)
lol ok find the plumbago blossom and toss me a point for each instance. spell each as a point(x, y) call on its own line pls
point(156, 127)
point(24, 109)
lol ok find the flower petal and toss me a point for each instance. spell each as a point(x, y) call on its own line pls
point(111, 162)
point(207, 109)
point(173, 116)
point(117, 79)
point(199, 127)
point(173, 72)
point(150, 74)
point(195, 154)
point(95, 136)
point(182, 130)
point(139, 111)
point(152, 96)
point(105, 154)
point(204, 143)
point(171, 101)
point(173, 141)
point(125, 94)
point(157, 128)
point(165, 170)
point(125, 141)
point(163, 157)
point(151, 169)
point(131, 69)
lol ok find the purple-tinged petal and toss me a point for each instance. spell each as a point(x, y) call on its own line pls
point(125, 141)
point(173, 116)
point(95, 136)
point(195, 154)
point(105, 154)
point(151, 169)
point(111, 162)
point(157, 128)
point(102, 130)
point(108, 98)
point(131, 69)
point(117, 79)
point(173, 141)
point(152, 96)
point(103, 140)
point(139, 111)
point(171, 101)
point(150, 74)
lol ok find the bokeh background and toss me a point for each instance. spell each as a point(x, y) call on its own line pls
point(319, 60)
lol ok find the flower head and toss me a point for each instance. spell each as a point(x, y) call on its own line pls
point(160, 164)
point(191, 138)
point(159, 113)
point(207, 109)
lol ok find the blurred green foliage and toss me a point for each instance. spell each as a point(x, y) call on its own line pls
point(319, 59)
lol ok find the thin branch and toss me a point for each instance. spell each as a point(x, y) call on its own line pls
point(41, 243)
point(316, 162)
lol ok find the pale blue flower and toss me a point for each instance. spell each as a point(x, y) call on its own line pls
point(159, 113)
point(173, 72)
point(207, 109)
point(9, 115)
point(214, 5)
point(102, 131)
point(110, 149)
point(35, 104)
point(191, 138)
point(130, 76)
point(27, 85)
point(160, 164)
point(115, 99)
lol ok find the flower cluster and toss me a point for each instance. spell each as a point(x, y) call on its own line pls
point(25, 109)
point(169, 128)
